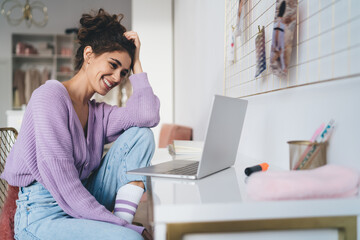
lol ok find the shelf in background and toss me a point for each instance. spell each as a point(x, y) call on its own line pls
point(65, 74)
point(37, 56)
point(63, 57)
point(33, 56)
point(51, 52)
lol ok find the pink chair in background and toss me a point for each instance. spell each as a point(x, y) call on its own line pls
point(171, 132)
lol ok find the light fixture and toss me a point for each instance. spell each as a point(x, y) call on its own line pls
point(15, 12)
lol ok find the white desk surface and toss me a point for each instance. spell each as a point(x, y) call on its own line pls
point(221, 197)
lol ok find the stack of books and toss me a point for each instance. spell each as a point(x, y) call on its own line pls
point(190, 150)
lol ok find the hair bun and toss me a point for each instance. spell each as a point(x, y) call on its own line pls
point(97, 23)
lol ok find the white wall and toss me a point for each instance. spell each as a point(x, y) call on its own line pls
point(294, 114)
point(153, 20)
point(62, 14)
point(199, 60)
point(272, 119)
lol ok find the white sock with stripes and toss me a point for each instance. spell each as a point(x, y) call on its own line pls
point(127, 200)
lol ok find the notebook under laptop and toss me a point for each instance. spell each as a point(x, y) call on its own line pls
point(220, 146)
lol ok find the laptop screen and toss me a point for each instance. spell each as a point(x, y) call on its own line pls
point(223, 134)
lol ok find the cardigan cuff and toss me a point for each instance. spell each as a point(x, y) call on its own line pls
point(139, 80)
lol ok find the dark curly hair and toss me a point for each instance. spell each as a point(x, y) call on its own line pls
point(103, 33)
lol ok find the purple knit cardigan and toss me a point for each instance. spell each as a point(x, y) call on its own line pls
point(51, 147)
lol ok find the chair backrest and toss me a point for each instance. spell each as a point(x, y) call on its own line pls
point(7, 139)
point(171, 132)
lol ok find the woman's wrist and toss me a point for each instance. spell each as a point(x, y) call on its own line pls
point(137, 67)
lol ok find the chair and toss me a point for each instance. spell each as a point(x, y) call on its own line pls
point(8, 194)
point(171, 132)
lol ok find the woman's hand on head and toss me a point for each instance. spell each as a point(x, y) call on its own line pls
point(133, 36)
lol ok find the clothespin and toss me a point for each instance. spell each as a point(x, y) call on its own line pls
point(261, 29)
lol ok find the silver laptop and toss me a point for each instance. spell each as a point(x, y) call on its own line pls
point(220, 146)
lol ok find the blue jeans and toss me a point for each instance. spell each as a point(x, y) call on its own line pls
point(38, 216)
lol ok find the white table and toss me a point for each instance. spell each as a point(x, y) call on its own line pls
point(218, 203)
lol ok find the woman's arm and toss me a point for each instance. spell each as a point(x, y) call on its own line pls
point(142, 108)
point(131, 35)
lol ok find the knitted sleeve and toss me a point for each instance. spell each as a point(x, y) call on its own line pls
point(142, 109)
point(55, 163)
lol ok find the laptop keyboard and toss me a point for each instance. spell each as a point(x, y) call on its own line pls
point(190, 169)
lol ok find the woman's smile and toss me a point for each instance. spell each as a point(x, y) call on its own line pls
point(108, 84)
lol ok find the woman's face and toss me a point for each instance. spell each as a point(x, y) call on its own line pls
point(107, 70)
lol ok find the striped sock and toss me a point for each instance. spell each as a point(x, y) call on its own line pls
point(127, 200)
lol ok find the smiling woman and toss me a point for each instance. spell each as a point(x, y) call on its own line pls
point(107, 70)
point(67, 190)
point(104, 33)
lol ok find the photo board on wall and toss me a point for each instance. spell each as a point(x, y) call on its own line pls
point(325, 45)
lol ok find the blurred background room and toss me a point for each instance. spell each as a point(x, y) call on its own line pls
point(194, 49)
point(196, 26)
point(185, 51)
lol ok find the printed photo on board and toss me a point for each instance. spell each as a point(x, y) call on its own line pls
point(239, 19)
point(283, 33)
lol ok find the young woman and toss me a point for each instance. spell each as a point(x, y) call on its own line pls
point(67, 190)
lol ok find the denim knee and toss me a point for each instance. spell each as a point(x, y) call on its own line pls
point(143, 137)
point(134, 235)
point(147, 137)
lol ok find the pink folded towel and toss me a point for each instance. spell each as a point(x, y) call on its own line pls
point(329, 181)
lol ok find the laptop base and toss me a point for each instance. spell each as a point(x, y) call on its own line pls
point(165, 170)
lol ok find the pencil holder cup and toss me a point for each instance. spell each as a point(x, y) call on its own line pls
point(306, 154)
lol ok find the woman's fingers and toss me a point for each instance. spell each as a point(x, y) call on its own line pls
point(131, 35)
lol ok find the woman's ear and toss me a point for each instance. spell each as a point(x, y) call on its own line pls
point(88, 53)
